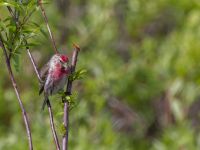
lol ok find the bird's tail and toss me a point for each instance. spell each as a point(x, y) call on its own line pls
point(45, 102)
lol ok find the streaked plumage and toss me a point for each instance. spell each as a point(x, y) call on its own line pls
point(54, 74)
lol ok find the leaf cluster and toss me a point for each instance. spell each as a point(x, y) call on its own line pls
point(17, 28)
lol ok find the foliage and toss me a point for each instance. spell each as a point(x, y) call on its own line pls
point(141, 90)
point(16, 32)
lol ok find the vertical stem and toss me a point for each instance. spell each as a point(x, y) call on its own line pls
point(68, 93)
point(25, 118)
point(47, 24)
point(66, 125)
point(52, 126)
point(33, 63)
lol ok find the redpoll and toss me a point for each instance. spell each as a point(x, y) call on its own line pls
point(54, 74)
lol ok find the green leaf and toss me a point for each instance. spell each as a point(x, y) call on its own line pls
point(3, 27)
point(62, 129)
point(78, 75)
point(71, 99)
point(16, 60)
point(33, 24)
point(12, 4)
point(42, 30)
point(32, 44)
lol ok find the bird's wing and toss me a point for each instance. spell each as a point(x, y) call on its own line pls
point(43, 75)
point(44, 71)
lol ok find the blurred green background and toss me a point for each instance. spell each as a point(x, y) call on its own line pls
point(142, 87)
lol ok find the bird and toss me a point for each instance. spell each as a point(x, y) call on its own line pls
point(54, 75)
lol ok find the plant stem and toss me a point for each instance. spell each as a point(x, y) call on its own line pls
point(68, 93)
point(34, 65)
point(25, 118)
point(66, 125)
point(47, 24)
point(52, 125)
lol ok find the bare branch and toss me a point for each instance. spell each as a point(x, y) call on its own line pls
point(34, 65)
point(66, 125)
point(47, 24)
point(68, 93)
point(17, 94)
point(52, 126)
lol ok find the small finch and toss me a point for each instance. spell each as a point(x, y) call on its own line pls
point(54, 75)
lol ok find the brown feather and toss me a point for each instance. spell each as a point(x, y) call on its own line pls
point(44, 71)
point(43, 74)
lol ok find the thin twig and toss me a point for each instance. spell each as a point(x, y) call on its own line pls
point(47, 24)
point(52, 126)
point(17, 94)
point(68, 93)
point(34, 65)
point(66, 125)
